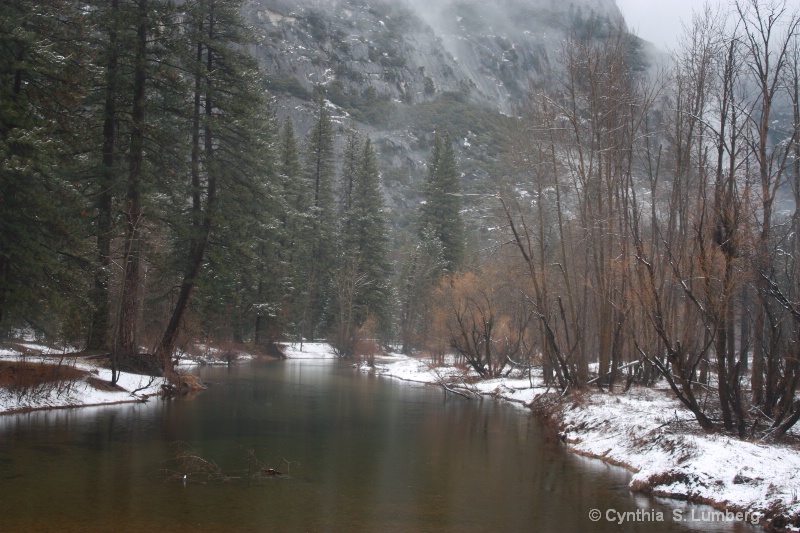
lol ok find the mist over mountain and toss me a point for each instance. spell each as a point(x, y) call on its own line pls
point(401, 70)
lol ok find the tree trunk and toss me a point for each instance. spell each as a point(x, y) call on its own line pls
point(202, 218)
point(126, 343)
point(99, 326)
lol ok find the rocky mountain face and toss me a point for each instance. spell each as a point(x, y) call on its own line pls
point(400, 70)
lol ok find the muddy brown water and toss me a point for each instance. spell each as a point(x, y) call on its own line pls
point(358, 453)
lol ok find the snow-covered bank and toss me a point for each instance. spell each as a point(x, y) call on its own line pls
point(654, 436)
point(309, 350)
point(89, 383)
point(91, 388)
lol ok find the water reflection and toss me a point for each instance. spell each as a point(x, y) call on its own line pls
point(366, 454)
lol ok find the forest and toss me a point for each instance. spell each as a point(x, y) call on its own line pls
point(645, 227)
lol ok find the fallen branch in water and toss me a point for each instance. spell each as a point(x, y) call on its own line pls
point(448, 389)
point(446, 383)
point(190, 466)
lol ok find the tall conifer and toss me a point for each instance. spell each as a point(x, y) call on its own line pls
point(321, 221)
point(43, 67)
point(440, 215)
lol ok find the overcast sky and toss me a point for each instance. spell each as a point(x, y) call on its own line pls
point(659, 21)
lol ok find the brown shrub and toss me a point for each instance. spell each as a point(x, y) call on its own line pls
point(26, 380)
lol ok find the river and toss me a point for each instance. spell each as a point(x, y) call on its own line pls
point(357, 453)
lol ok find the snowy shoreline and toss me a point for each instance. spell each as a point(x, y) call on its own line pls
point(644, 430)
point(652, 435)
point(89, 390)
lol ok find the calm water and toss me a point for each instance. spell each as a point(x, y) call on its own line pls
point(366, 454)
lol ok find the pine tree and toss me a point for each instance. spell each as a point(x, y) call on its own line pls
point(320, 172)
point(294, 252)
point(440, 215)
point(43, 70)
point(350, 168)
point(137, 150)
point(368, 232)
point(362, 287)
point(126, 341)
point(107, 18)
point(230, 137)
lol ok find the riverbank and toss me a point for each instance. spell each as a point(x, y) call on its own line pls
point(46, 377)
point(651, 434)
point(643, 430)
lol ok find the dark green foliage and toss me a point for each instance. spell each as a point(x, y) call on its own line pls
point(366, 233)
point(369, 107)
point(317, 236)
point(42, 214)
point(440, 214)
point(136, 140)
point(361, 286)
point(292, 223)
point(143, 119)
point(453, 114)
point(230, 181)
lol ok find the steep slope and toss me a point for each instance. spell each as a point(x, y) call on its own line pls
point(399, 71)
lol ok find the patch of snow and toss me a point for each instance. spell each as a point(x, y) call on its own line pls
point(132, 388)
point(657, 438)
point(309, 350)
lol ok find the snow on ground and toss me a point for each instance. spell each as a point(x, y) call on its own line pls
point(654, 436)
point(645, 430)
point(649, 432)
point(204, 354)
point(520, 390)
point(131, 387)
point(309, 350)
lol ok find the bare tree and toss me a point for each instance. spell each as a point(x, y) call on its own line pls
point(487, 319)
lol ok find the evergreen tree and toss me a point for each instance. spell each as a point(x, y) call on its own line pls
point(420, 273)
point(230, 139)
point(440, 215)
point(351, 166)
point(126, 341)
point(294, 252)
point(156, 147)
point(107, 18)
point(320, 172)
point(368, 235)
point(362, 287)
point(290, 173)
point(43, 70)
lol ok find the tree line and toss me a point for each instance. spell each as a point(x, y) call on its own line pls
point(647, 230)
point(654, 219)
point(150, 199)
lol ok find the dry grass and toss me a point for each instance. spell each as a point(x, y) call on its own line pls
point(27, 380)
point(662, 479)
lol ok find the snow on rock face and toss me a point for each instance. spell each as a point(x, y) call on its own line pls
point(275, 18)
